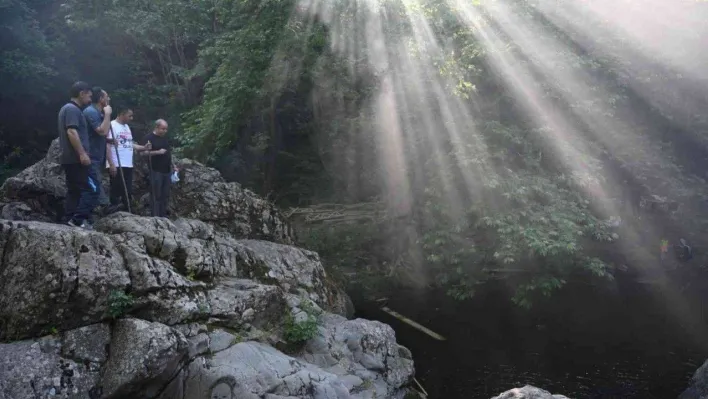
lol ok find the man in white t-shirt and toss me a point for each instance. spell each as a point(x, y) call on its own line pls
point(120, 155)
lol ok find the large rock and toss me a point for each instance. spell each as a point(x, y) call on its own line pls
point(143, 358)
point(41, 188)
point(528, 392)
point(196, 292)
point(364, 353)
point(57, 276)
point(190, 307)
point(54, 276)
point(698, 388)
point(52, 367)
point(195, 248)
point(253, 370)
point(38, 192)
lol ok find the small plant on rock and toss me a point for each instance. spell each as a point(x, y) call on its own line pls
point(304, 330)
point(119, 302)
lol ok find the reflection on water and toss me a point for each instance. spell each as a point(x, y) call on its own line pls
point(583, 343)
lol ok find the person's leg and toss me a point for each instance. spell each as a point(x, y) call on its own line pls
point(155, 187)
point(87, 188)
point(94, 196)
point(73, 191)
point(128, 175)
point(116, 191)
point(165, 200)
point(101, 196)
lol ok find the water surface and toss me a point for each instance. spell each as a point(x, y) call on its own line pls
point(634, 341)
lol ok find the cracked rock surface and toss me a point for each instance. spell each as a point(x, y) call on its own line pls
point(204, 310)
point(191, 307)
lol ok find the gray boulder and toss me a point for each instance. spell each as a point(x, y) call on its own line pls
point(528, 392)
point(61, 277)
point(41, 188)
point(195, 248)
point(53, 367)
point(253, 370)
point(364, 353)
point(54, 276)
point(195, 293)
point(144, 357)
point(191, 307)
point(698, 388)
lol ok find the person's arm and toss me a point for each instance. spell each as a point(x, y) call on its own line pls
point(111, 144)
point(98, 126)
point(106, 125)
point(71, 124)
point(152, 153)
point(172, 161)
point(75, 141)
point(138, 147)
point(109, 157)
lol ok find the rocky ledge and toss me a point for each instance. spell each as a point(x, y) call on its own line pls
point(153, 308)
point(212, 303)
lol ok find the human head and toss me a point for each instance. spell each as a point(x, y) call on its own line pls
point(125, 116)
point(160, 128)
point(80, 92)
point(99, 96)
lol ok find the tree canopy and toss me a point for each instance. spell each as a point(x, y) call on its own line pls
point(501, 136)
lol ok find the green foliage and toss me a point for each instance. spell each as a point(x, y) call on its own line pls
point(271, 98)
point(304, 330)
point(119, 302)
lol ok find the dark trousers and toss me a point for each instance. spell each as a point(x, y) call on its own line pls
point(97, 172)
point(160, 186)
point(81, 192)
point(118, 191)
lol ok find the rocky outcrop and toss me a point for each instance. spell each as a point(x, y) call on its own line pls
point(150, 307)
point(698, 388)
point(190, 307)
point(212, 303)
point(528, 392)
point(38, 192)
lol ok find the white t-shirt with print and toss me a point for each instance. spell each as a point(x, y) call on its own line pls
point(125, 144)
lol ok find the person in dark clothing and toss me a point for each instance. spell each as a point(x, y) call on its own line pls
point(74, 158)
point(98, 116)
point(161, 167)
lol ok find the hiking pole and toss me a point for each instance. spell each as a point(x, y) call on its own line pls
point(120, 170)
point(152, 189)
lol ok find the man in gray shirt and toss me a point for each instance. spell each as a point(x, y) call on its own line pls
point(74, 158)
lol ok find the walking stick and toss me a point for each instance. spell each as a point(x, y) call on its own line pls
point(120, 170)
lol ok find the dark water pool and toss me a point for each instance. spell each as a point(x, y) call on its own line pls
point(632, 341)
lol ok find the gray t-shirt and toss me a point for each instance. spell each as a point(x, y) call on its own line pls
point(71, 117)
point(97, 143)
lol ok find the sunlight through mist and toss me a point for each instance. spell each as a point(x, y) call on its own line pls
point(426, 113)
